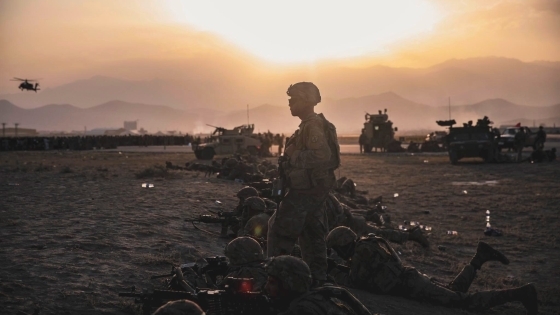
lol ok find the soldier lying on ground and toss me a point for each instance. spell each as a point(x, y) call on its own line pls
point(254, 218)
point(339, 215)
point(540, 155)
point(246, 259)
point(375, 266)
point(288, 285)
point(242, 194)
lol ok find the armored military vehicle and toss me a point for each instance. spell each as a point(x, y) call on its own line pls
point(378, 132)
point(230, 141)
point(470, 140)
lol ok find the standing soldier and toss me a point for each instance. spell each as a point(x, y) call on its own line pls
point(520, 142)
point(362, 141)
point(311, 156)
point(541, 138)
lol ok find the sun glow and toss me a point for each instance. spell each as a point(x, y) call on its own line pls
point(301, 31)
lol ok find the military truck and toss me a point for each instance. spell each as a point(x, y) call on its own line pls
point(507, 139)
point(378, 132)
point(229, 141)
point(470, 140)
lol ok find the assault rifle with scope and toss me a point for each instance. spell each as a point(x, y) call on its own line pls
point(237, 298)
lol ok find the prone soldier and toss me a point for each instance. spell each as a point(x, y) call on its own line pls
point(376, 267)
point(246, 260)
point(288, 285)
point(339, 215)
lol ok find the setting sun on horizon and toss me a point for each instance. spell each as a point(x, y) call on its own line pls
point(308, 31)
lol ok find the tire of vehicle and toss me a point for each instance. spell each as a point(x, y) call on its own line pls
point(453, 156)
point(207, 154)
point(253, 150)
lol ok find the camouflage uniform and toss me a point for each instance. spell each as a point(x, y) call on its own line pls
point(376, 267)
point(251, 207)
point(301, 214)
point(338, 214)
point(242, 194)
point(246, 261)
point(257, 226)
point(295, 277)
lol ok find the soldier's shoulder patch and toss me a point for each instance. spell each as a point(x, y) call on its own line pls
point(314, 139)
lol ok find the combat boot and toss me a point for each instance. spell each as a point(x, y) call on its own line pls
point(484, 253)
point(415, 234)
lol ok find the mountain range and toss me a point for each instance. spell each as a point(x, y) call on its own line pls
point(192, 84)
point(347, 114)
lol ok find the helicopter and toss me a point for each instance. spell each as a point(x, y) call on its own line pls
point(25, 85)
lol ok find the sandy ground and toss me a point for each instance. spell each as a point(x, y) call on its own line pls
point(77, 227)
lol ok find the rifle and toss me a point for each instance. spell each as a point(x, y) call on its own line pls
point(226, 219)
point(211, 273)
point(237, 298)
point(279, 184)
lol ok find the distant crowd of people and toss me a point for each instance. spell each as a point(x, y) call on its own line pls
point(111, 142)
point(90, 142)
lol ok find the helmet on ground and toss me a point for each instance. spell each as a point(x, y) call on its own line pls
point(306, 91)
point(243, 250)
point(247, 192)
point(255, 203)
point(292, 272)
point(180, 307)
point(340, 237)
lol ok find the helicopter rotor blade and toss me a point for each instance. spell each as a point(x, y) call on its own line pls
point(17, 79)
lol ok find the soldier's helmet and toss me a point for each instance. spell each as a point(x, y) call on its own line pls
point(305, 90)
point(255, 203)
point(243, 250)
point(247, 192)
point(180, 307)
point(340, 237)
point(292, 272)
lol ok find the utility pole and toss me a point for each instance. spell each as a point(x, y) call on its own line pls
point(3, 129)
point(247, 115)
point(16, 128)
point(450, 108)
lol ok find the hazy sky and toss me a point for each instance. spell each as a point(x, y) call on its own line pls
point(65, 40)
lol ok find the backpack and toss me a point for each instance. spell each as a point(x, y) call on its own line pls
point(332, 140)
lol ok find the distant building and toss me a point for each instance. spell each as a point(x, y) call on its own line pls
point(131, 125)
point(121, 132)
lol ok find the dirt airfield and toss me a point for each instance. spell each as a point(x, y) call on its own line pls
point(76, 228)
